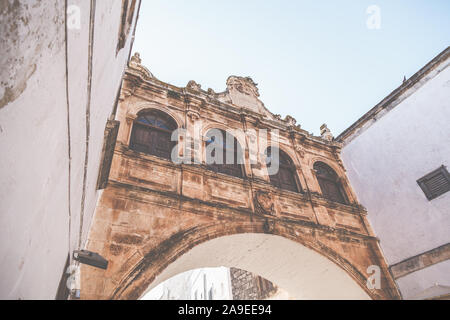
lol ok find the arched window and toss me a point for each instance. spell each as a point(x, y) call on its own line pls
point(285, 177)
point(152, 132)
point(329, 183)
point(224, 143)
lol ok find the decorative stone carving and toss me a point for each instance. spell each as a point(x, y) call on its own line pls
point(277, 116)
point(211, 92)
point(129, 89)
point(300, 150)
point(290, 120)
point(325, 133)
point(193, 115)
point(193, 86)
point(135, 63)
point(130, 118)
point(269, 226)
point(251, 137)
point(264, 203)
point(243, 85)
point(338, 159)
point(136, 59)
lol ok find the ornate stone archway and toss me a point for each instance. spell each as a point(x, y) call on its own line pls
point(153, 211)
point(298, 270)
point(141, 232)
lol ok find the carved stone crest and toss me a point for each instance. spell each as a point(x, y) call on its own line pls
point(264, 204)
point(243, 85)
point(193, 85)
point(136, 64)
point(129, 89)
point(290, 120)
point(300, 150)
point(136, 59)
point(325, 133)
point(269, 226)
point(193, 115)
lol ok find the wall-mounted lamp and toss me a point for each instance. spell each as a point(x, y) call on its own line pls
point(90, 258)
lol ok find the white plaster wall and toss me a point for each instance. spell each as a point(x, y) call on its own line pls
point(384, 162)
point(34, 162)
point(184, 285)
point(108, 70)
point(175, 288)
point(415, 283)
point(217, 279)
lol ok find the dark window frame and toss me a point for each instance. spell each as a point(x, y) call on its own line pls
point(287, 166)
point(150, 147)
point(330, 179)
point(233, 170)
point(429, 193)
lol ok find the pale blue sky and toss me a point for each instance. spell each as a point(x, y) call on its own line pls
point(314, 60)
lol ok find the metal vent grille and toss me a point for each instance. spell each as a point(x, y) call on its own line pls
point(435, 183)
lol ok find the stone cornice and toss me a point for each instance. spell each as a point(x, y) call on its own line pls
point(317, 199)
point(237, 210)
point(208, 98)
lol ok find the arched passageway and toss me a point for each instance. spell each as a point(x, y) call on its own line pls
point(304, 273)
point(147, 242)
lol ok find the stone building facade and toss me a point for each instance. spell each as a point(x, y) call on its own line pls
point(301, 228)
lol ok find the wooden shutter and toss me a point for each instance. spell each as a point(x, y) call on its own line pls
point(140, 138)
point(161, 145)
point(152, 134)
point(234, 169)
point(285, 177)
point(330, 190)
point(329, 183)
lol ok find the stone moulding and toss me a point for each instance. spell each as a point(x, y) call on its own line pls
point(134, 283)
point(193, 88)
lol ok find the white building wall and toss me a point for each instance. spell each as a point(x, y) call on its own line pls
point(37, 230)
point(384, 161)
point(417, 282)
point(190, 285)
point(217, 280)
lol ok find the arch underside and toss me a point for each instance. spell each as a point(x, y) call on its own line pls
point(300, 271)
point(307, 270)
